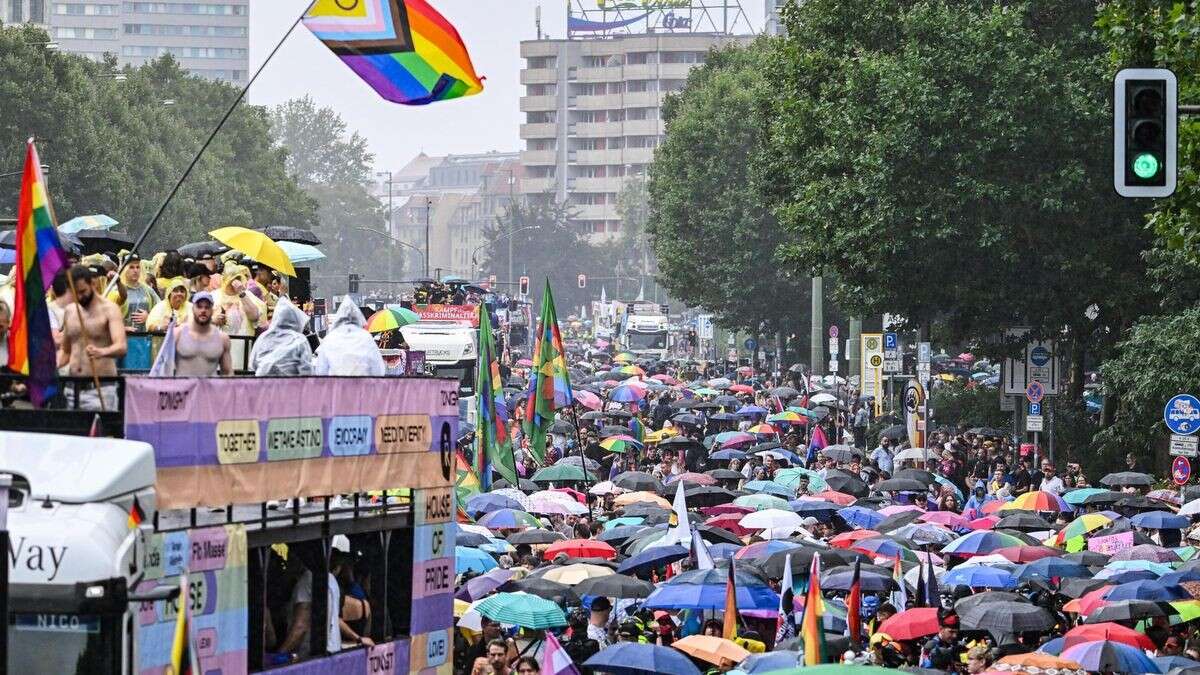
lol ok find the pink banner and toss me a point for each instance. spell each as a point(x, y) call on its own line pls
point(1111, 544)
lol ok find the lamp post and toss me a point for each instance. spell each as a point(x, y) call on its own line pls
point(390, 228)
point(509, 235)
point(428, 209)
point(388, 236)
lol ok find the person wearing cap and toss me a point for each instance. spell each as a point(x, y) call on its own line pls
point(598, 622)
point(174, 306)
point(942, 649)
point(201, 350)
point(133, 296)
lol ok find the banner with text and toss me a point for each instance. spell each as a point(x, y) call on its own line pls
point(221, 441)
point(214, 559)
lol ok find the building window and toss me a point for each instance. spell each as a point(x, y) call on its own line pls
point(152, 51)
point(84, 9)
point(37, 11)
point(184, 8)
point(81, 33)
point(16, 11)
point(539, 62)
point(185, 31)
point(635, 86)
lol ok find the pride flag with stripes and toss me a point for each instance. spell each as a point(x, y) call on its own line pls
point(493, 447)
point(40, 256)
point(549, 381)
point(814, 607)
point(404, 49)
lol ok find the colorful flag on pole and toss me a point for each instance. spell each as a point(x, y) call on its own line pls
point(729, 630)
point(493, 447)
point(555, 659)
point(900, 595)
point(466, 485)
point(404, 49)
point(854, 608)
point(817, 443)
point(786, 628)
point(681, 529)
point(183, 659)
point(814, 608)
point(931, 584)
point(637, 429)
point(549, 382)
point(39, 256)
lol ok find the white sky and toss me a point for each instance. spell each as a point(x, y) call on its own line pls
point(492, 31)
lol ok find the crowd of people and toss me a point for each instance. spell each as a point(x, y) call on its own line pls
point(975, 552)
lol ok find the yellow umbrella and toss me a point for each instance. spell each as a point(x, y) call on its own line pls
point(642, 496)
point(711, 648)
point(257, 245)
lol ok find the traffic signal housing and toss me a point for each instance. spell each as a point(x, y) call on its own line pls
point(352, 284)
point(523, 286)
point(1145, 116)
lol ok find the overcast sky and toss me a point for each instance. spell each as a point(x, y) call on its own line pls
point(492, 30)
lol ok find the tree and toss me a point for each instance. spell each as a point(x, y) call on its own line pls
point(334, 167)
point(712, 233)
point(950, 162)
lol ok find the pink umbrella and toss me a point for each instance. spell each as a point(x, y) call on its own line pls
point(984, 523)
point(899, 508)
point(966, 356)
point(693, 477)
point(947, 518)
point(720, 509)
point(665, 379)
point(587, 399)
point(524, 362)
point(739, 438)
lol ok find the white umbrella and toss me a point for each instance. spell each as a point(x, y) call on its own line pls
point(516, 495)
point(822, 398)
point(772, 519)
point(605, 488)
point(915, 454)
point(477, 529)
point(546, 506)
point(1191, 508)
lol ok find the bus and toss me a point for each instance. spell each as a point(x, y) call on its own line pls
point(301, 524)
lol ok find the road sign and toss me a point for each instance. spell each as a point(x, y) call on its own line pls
point(1181, 470)
point(1187, 446)
point(1034, 423)
point(893, 365)
point(704, 327)
point(833, 365)
point(876, 361)
point(1008, 403)
point(891, 341)
point(833, 331)
point(1035, 392)
point(1182, 414)
point(1035, 409)
point(923, 373)
point(924, 352)
point(1036, 362)
point(750, 344)
point(833, 346)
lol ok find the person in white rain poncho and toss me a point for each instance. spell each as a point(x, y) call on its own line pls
point(348, 349)
point(282, 349)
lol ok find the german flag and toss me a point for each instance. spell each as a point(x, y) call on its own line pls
point(136, 514)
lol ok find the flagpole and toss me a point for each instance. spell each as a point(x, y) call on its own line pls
point(582, 461)
point(200, 153)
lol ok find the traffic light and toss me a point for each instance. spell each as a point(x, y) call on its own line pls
point(583, 281)
point(1145, 114)
point(523, 286)
point(353, 284)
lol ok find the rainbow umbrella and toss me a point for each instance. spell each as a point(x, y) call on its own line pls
point(1082, 525)
point(762, 429)
point(884, 547)
point(620, 443)
point(509, 519)
point(1037, 501)
point(624, 357)
point(980, 542)
point(391, 319)
point(630, 370)
point(787, 417)
point(627, 393)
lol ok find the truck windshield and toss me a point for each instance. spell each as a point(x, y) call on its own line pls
point(647, 340)
point(62, 643)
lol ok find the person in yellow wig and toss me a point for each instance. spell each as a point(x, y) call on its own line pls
point(175, 305)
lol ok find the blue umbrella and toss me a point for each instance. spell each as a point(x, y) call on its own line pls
point(1111, 656)
point(728, 454)
point(1049, 568)
point(472, 559)
point(978, 576)
point(470, 539)
point(486, 502)
point(1168, 663)
point(861, 516)
point(632, 658)
point(768, 661)
point(752, 410)
point(872, 582)
point(619, 533)
point(942, 480)
point(8, 256)
point(1176, 578)
point(522, 609)
point(300, 253)
point(507, 519)
point(1053, 647)
point(770, 488)
point(723, 550)
point(652, 558)
point(705, 589)
point(78, 223)
point(814, 507)
point(1132, 575)
point(1160, 520)
point(1143, 590)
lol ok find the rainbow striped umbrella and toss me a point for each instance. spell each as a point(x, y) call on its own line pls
point(624, 357)
point(627, 393)
point(1037, 501)
point(762, 429)
point(630, 370)
point(391, 319)
point(787, 417)
point(620, 444)
point(1088, 522)
point(980, 542)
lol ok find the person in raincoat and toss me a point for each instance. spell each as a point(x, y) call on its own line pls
point(283, 349)
point(175, 304)
point(348, 349)
point(979, 497)
point(237, 312)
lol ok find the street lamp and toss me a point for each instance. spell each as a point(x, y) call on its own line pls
point(385, 234)
point(391, 228)
point(507, 235)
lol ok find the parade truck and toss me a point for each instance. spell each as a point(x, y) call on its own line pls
point(297, 525)
point(645, 330)
point(448, 334)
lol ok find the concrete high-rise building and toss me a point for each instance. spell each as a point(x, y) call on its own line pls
point(209, 38)
point(772, 11)
point(24, 11)
point(592, 114)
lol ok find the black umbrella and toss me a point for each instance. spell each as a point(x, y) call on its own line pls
point(103, 241)
point(637, 480)
point(1088, 558)
point(1127, 478)
point(839, 579)
point(1138, 503)
point(644, 509)
point(842, 453)
point(1130, 610)
point(784, 392)
point(535, 537)
point(682, 404)
point(561, 594)
point(772, 565)
point(289, 233)
point(1025, 538)
point(897, 521)
point(727, 401)
point(989, 432)
point(615, 586)
point(562, 427)
point(618, 414)
point(8, 239)
point(987, 597)
point(1109, 497)
point(680, 442)
point(724, 417)
point(524, 485)
point(705, 405)
point(894, 432)
point(470, 539)
point(875, 503)
point(920, 475)
point(724, 474)
point(1077, 588)
point(592, 415)
point(1024, 520)
point(707, 495)
point(613, 430)
point(717, 535)
point(199, 248)
point(686, 418)
point(769, 445)
point(1006, 616)
point(900, 485)
point(575, 460)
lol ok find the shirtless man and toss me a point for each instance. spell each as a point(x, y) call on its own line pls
point(201, 349)
point(97, 343)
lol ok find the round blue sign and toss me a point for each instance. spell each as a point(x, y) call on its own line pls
point(1040, 356)
point(1182, 414)
point(750, 344)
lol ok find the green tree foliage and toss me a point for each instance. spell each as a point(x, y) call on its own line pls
point(117, 147)
point(950, 161)
point(712, 231)
point(333, 167)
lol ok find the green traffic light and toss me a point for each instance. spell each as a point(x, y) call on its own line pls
point(1145, 165)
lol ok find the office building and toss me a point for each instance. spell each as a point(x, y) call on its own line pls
point(210, 39)
point(592, 114)
point(24, 11)
point(772, 11)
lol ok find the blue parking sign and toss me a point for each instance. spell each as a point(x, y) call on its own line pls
point(1035, 409)
point(890, 342)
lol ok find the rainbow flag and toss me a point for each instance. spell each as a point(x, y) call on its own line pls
point(729, 628)
point(549, 382)
point(493, 447)
point(40, 256)
point(637, 429)
point(183, 658)
point(404, 49)
point(854, 608)
point(810, 625)
point(466, 485)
